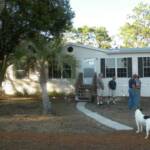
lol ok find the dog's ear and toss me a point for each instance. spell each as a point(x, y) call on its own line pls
point(141, 109)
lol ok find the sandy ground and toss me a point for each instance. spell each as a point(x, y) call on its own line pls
point(23, 127)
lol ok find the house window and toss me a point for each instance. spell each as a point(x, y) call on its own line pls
point(56, 71)
point(20, 74)
point(144, 66)
point(124, 67)
point(146, 63)
point(110, 67)
point(66, 71)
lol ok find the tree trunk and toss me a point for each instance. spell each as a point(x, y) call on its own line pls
point(3, 68)
point(45, 98)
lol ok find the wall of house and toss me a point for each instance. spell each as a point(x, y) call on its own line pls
point(82, 53)
point(30, 85)
point(122, 88)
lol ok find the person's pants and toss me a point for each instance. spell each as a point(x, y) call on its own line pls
point(131, 98)
point(136, 99)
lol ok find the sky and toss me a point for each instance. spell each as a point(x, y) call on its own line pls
point(111, 14)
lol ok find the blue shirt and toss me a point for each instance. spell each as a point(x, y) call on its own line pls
point(132, 83)
point(112, 84)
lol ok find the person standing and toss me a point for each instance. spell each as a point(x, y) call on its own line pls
point(137, 92)
point(112, 90)
point(131, 90)
point(100, 89)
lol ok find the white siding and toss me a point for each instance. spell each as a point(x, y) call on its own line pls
point(82, 53)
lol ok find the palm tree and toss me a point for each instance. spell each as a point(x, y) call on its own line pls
point(39, 51)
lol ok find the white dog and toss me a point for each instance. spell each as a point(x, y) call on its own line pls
point(142, 120)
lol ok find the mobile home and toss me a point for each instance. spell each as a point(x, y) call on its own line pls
point(119, 62)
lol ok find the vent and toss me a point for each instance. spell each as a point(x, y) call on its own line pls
point(70, 49)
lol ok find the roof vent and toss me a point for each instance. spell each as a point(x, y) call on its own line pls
point(70, 49)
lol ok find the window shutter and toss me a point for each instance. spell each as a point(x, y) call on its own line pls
point(140, 66)
point(103, 67)
point(130, 67)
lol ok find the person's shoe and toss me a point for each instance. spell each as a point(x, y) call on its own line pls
point(114, 102)
point(101, 103)
point(108, 102)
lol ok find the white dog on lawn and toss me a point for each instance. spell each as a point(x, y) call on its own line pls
point(142, 120)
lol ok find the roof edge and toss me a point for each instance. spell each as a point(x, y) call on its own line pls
point(88, 47)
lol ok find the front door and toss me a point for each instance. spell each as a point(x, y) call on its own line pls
point(89, 68)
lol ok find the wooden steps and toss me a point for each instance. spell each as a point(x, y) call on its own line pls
point(85, 92)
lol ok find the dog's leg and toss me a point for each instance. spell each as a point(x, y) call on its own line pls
point(141, 127)
point(147, 132)
point(138, 127)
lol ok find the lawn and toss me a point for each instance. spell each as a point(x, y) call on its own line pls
point(24, 127)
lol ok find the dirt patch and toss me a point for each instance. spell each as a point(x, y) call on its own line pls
point(76, 141)
point(23, 127)
point(26, 115)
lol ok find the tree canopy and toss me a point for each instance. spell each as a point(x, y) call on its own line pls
point(136, 32)
point(93, 36)
point(1, 5)
point(25, 18)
